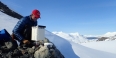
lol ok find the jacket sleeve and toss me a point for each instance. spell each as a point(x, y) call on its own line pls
point(18, 28)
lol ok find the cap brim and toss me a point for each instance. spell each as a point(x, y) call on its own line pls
point(37, 16)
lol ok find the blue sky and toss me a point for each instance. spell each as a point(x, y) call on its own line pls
point(87, 17)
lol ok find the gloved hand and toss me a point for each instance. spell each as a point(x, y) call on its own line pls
point(26, 41)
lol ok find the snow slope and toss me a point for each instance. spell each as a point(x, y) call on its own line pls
point(79, 50)
point(106, 46)
point(7, 22)
point(85, 52)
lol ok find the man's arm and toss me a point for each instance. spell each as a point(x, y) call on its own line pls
point(18, 29)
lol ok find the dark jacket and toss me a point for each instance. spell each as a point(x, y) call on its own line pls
point(22, 30)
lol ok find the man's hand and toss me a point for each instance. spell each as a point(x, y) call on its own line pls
point(26, 41)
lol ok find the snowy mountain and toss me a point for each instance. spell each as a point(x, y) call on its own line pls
point(74, 37)
point(107, 36)
point(68, 45)
point(77, 38)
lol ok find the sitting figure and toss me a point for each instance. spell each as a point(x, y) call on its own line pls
point(22, 30)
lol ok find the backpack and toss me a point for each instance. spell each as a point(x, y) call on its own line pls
point(6, 42)
point(4, 36)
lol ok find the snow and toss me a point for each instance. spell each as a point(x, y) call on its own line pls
point(71, 45)
point(106, 46)
point(85, 52)
point(63, 45)
point(7, 22)
point(109, 34)
point(74, 37)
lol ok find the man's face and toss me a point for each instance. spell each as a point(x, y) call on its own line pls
point(34, 18)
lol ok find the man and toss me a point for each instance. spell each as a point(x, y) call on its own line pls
point(22, 30)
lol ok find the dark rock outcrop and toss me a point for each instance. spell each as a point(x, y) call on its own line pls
point(102, 38)
point(8, 11)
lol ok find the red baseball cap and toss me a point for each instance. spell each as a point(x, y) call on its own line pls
point(36, 13)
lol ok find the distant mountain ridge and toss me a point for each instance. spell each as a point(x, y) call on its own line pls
point(8, 11)
point(74, 37)
point(77, 38)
